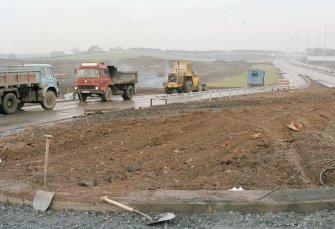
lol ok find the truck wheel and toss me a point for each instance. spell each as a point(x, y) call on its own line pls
point(9, 104)
point(128, 93)
point(188, 87)
point(20, 105)
point(49, 100)
point(108, 95)
point(82, 97)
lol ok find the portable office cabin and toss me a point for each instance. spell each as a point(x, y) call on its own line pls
point(256, 78)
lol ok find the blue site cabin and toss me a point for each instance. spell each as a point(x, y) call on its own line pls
point(256, 78)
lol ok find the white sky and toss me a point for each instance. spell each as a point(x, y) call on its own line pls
point(41, 26)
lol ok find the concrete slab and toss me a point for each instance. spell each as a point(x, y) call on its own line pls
point(177, 201)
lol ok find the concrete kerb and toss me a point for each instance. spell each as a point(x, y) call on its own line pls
point(196, 201)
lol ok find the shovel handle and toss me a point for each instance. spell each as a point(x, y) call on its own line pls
point(105, 198)
point(47, 145)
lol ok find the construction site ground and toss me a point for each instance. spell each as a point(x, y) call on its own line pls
point(211, 145)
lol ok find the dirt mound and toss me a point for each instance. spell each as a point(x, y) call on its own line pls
point(212, 145)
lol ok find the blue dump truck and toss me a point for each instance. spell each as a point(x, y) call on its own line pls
point(33, 83)
point(256, 78)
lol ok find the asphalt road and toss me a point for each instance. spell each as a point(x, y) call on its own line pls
point(32, 115)
point(295, 72)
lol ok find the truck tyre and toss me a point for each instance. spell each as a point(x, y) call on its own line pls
point(108, 95)
point(188, 86)
point(49, 100)
point(9, 104)
point(82, 97)
point(20, 105)
point(128, 93)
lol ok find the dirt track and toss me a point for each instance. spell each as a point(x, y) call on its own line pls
point(213, 145)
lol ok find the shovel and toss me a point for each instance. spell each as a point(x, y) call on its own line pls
point(163, 217)
point(43, 198)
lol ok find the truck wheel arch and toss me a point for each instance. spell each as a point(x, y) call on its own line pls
point(53, 90)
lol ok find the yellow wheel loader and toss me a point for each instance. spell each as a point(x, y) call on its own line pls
point(182, 79)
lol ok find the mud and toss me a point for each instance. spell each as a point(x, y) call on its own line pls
point(211, 145)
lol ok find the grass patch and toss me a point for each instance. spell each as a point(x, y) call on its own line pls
point(240, 80)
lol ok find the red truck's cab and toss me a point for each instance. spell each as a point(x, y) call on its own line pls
point(99, 79)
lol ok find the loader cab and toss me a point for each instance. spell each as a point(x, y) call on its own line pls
point(183, 68)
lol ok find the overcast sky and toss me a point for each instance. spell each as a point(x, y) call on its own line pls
point(41, 26)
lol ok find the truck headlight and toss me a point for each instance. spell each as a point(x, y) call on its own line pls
point(96, 88)
point(75, 87)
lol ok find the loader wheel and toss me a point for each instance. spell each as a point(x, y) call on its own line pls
point(188, 87)
point(49, 100)
point(9, 104)
point(199, 87)
point(108, 95)
point(128, 93)
point(168, 91)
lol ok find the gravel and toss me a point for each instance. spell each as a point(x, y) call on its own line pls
point(21, 216)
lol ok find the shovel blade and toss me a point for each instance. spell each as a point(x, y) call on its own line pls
point(163, 217)
point(42, 200)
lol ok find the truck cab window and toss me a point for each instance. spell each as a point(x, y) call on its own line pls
point(106, 72)
point(88, 73)
point(52, 72)
point(47, 72)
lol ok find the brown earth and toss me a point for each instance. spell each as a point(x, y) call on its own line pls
point(212, 145)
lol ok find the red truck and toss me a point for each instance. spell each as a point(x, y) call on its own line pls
point(97, 78)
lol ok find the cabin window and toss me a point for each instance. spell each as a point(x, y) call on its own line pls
point(254, 74)
point(88, 73)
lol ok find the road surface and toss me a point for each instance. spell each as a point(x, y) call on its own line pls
point(297, 73)
point(32, 115)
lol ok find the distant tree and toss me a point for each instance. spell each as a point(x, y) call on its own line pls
point(117, 48)
point(75, 50)
point(11, 56)
point(94, 48)
point(57, 53)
